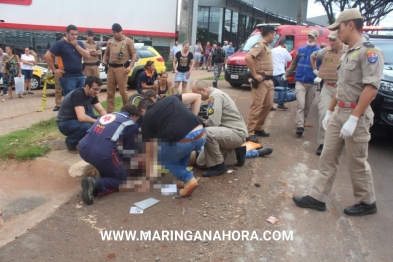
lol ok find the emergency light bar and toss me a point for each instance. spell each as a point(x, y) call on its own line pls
point(377, 28)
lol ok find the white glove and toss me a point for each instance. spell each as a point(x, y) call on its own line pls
point(315, 72)
point(326, 119)
point(349, 127)
point(317, 80)
point(284, 78)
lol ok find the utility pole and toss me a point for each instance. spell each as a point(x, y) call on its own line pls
point(300, 12)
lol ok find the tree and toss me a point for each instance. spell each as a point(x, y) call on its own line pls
point(373, 10)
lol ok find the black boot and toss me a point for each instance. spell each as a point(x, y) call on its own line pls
point(309, 202)
point(264, 151)
point(262, 133)
point(361, 209)
point(215, 84)
point(252, 138)
point(91, 187)
point(215, 170)
point(241, 155)
point(299, 131)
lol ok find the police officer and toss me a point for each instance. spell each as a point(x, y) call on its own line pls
point(100, 148)
point(349, 118)
point(91, 64)
point(118, 51)
point(305, 86)
point(226, 131)
point(260, 63)
point(330, 57)
point(218, 58)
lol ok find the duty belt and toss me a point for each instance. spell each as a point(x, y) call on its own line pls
point(116, 65)
point(186, 140)
point(92, 64)
point(346, 104)
point(266, 77)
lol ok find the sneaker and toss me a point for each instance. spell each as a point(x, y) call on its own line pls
point(31, 93)
point(361, 209)
point(282, 107)
point(71, 149)
point(299, 131)
point(309, 202)
point(56, 108)
point(264, 151)
point(189, 187)
point(319, 150)
point(215, 170)
point(90, 188)
point(252, 139)
point(241, 155)
point(273, 108)
point(261, 133)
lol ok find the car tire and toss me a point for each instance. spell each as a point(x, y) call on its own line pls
point(236, 85)
point(135, 99)
point(35, 83)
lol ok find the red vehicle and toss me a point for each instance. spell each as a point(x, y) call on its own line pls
point(236, 72)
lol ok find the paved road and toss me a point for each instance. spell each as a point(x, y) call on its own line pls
point(230, 202)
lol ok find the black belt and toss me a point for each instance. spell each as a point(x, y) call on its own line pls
point(116, 65)
point(187, 140)
point(92, 64)
point(266, 77)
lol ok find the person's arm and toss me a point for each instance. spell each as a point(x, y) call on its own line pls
point(288, 57)
point(292, 67)
point(333, 103)
point(250, 64)
point(82, 117)
point(170, 88)
point(81, 49)
point(105, 56)
point(133, 56)
point(215, 115)
point(50, 60)
point(98, 107)
point(19, 67)
point(174, 64)
point(192, 99)
point(192, 62)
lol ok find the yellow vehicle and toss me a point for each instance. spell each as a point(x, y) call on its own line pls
point(144, 54)
point(39, 74)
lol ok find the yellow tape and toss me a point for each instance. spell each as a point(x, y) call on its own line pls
point(50, 80)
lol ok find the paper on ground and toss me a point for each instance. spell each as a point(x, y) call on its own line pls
point(169, 189)
point(146, 203)
point(136, 210)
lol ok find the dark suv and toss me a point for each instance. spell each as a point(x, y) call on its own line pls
point(382, 105)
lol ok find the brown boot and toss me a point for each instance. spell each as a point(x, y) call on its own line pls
point(189, 187)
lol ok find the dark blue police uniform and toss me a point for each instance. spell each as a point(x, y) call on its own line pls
point(100, 148)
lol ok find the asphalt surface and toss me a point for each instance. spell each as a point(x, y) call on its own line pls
point(230, 202)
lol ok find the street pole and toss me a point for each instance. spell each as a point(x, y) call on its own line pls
point(300, 12)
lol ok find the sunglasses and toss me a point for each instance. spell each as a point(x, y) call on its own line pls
point(97, 89)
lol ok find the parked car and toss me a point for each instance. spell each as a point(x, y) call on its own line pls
point(382, 104)
point(144, 53)
point(39, 74)
point(236, 73)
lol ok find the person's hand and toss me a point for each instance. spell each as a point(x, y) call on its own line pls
point(326, 119)
point(103, 63)
point(176, 71)
point(315, 72)
point(74, 42)
point(19, 75)
point(317, 80)
point(259, 78)
point(284, 78)
point(188, 75)
point(127, 70)
point(59, 71)
point(349, 127)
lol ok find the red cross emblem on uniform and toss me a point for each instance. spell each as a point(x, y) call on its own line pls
point(106, 119)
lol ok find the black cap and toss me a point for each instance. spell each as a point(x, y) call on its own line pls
point(89, 33)
point(262, 27)
point(219, 44)
point(116, 27)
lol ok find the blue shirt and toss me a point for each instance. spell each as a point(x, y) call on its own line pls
point(147, 79)
point(69, 56)
point(230, 50)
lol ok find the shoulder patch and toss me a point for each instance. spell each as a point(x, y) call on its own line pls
point(210, 111)
point(210, 102)
point(372, 55)
point(368, 44)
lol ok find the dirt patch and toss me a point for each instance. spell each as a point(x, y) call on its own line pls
point(57, 144)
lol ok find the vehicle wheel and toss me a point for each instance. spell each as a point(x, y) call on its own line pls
point(236, 85)
point(135, 99)
point(35, 83)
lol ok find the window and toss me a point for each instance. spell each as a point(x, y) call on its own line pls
point(289, 41)
point(215, 24)
point(251, 42)
point(144, 53)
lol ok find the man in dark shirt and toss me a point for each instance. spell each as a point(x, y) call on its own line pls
point(218, 58)
point(73, 120)
point(69, 52)
point(109, 146)
point(177, 132)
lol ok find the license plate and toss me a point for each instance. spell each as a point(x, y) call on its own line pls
point(234, 77)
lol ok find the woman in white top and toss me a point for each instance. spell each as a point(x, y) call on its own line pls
point(198, 54)
point(28, 62)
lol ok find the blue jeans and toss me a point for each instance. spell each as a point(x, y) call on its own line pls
point(74, 130)
point(278, 82)
point(252, 153)
point(70, 83)
point(175, 156)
